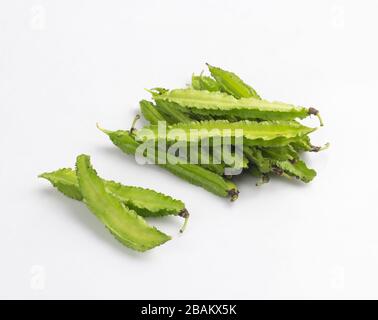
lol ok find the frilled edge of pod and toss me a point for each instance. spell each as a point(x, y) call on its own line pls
point(65, 181)
point(297, 169)
point(232, 83)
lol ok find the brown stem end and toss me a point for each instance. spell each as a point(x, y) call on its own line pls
point(234, 194)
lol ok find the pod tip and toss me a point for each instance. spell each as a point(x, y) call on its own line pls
point(317, 148)
point(102, 129)
point(316, 112)
point(184, 214)
point(278, 171)
point(136, 118)
point(150, 91)
point(234, 194)
point(263, 180)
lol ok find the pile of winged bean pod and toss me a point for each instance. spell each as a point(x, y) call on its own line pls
point(216, 106)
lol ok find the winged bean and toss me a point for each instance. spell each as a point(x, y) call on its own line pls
point(202, 102)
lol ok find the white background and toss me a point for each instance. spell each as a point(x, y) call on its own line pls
point(65, 65)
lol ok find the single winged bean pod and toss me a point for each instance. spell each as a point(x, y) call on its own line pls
point(202, 102)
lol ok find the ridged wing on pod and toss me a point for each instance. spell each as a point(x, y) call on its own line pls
point(145, 202)
point(205, 83)
point(124, 223)
point(203, 102)
point(65, 181)
point(232, 84)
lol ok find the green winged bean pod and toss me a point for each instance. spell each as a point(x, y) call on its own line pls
point(202, 102)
